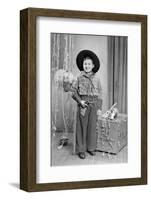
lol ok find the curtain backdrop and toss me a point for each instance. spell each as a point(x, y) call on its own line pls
point(117, 72)
point(63, 58)
point(62, 105)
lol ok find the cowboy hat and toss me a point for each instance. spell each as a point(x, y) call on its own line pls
point(90, 54)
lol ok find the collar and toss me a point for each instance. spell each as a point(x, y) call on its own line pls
point(88, 75)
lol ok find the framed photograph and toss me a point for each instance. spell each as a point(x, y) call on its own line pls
point(83, 99)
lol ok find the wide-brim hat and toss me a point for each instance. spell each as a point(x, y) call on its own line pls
point(84, 54)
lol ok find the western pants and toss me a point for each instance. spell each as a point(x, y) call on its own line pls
point(86, 128)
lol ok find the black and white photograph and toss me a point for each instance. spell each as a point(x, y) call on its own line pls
point(88, 98)
point(83, 99)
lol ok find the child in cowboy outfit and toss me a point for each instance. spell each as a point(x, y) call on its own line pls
point(87, 93)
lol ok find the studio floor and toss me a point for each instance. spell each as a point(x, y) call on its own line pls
point(65, 156)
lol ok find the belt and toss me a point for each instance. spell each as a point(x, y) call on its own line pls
point(89, 98)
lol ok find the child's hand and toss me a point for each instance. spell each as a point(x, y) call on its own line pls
point(83, 103)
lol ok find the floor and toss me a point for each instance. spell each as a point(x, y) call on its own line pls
point(65, 156)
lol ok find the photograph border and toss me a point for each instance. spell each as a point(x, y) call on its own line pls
point(28, 98)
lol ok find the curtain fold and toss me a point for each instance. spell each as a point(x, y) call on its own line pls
point(117, 72)
point(62, 105)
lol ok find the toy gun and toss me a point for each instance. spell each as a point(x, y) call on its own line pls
point(110, 113)
point(110, 110)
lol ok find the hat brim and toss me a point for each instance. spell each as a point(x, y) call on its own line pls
point(87, 53)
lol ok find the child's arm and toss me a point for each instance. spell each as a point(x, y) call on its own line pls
point(100, 95)
point(76, 96)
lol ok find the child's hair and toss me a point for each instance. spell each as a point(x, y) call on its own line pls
point(88, 58)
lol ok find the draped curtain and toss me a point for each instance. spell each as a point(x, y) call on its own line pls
point(62, 105)
point(117, 72)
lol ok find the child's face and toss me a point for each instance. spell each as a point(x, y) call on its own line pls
point(88, 65)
